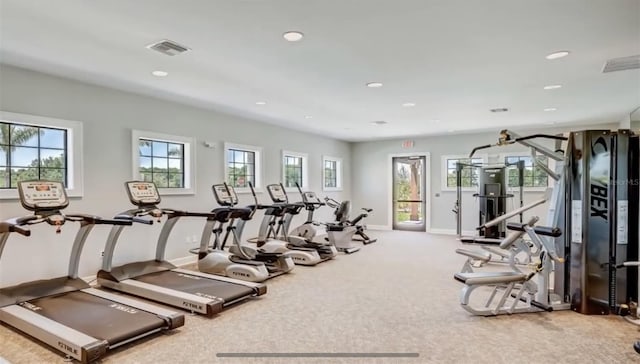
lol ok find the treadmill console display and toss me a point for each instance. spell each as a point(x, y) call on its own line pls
point(143, 193)
point(42, 195)
point(225, 195)
point(277, 193)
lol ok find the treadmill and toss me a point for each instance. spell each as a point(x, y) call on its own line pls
point(157, 279)
point(65, 312)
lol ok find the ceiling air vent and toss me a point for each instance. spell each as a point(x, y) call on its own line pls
point(168, 47)
point(622, 64)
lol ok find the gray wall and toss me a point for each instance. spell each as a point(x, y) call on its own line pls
point(371, 176)
point(635, 120)
point(108, 116)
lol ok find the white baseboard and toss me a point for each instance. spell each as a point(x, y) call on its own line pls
point(378, 227)
point(181, 262)
point(451, 232)
point(442, 231)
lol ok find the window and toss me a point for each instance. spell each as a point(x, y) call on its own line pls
point(469, 174)
point(242, 165)
point(332, 173)
point(294, 169)
point(165, 160)
point(533, 175)
point(34, 147)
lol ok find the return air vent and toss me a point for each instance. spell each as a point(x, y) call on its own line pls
point(622, 64)
point(168, 47)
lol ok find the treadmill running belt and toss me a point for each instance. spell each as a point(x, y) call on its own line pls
point(96, 316)
point(200, 286)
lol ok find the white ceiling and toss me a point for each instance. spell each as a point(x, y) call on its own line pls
point(454, 58)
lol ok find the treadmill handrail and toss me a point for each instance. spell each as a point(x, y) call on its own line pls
point(9, 227)
point(97, 220)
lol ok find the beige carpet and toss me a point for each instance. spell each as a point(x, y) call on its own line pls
point(397, 295)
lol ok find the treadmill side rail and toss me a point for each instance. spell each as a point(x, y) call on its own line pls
point(259, 288)
point(67, 340)
point(173, 319)
point(172, 297)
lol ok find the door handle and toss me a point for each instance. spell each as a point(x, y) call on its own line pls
point(409, 200)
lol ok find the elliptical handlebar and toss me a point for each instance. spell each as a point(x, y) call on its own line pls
point(331, 202)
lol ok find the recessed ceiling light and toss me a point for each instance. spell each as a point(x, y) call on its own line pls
point(374, 84)
point(293, 36)
point(261, 102)
point(552, 87)
point(379, 122)
point(434, 120)
point(308, 117)
point(550, 122)
point(160, 73)
point(556, 55)
point(451, 130)
point(550, 109)
point(409, 104)
point(499, 109)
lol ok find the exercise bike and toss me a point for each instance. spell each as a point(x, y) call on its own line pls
point(342, 212)
point(338, 235)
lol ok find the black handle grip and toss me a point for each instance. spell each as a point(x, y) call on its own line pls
point(19, 230)
point(142, 220)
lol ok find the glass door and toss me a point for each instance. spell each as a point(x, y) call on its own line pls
point(409, 202)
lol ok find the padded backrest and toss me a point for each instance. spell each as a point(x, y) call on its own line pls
point(342, 212)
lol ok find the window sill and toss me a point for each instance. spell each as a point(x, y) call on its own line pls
point(332, 189)
point(176, 191)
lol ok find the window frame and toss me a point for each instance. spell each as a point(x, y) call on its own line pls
point(188, 159)
point(258, 162)
point(74, 149)
point(550, 164)
point(444, 171)
point(339, 168)
point(305, 169)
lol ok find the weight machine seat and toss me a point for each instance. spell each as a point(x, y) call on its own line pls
point(335, 227)
point(477, 255)
point(483, 278)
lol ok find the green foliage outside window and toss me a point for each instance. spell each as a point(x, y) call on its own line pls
point(533, 175)
point(162, 163)
point(469, 174)
point(292, 171)
point(31, 152)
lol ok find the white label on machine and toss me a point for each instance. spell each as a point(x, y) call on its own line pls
point(576, 221)
point(623, 228)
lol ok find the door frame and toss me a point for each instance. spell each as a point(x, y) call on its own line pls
point(427, 182)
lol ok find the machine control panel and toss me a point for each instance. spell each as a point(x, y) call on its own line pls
point(42, 195)
point(277, 193)
point(142, 193)
point(225, 195)
point(310, 197)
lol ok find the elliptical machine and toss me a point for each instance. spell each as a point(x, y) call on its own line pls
point(342, 212)
point(240, 261)
point(273, 234)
